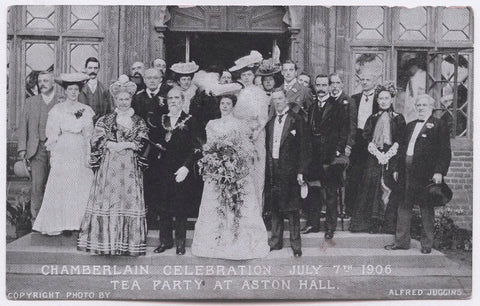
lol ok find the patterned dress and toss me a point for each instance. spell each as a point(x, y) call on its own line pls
point(115, 222)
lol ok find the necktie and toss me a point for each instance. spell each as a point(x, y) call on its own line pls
point(280, 118)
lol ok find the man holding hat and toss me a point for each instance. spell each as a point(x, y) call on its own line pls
point(32, 137)
point(427, 156)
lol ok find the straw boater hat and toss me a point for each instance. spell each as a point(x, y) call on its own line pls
point(71, 78)
point(185, 68)
point(250, 61)
point(268, 67)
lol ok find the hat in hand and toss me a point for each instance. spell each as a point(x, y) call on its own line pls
point(21, 168)
point(437, 194)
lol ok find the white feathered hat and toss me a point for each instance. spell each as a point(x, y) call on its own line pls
point(251, 60)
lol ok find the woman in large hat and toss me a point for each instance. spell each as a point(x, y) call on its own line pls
point(183, 77)
point(252, 106)
point(68, 131)
point(269, 71)
point(115, 222)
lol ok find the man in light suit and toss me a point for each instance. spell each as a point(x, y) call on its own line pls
point(299, 97)
point(287, 161)
point(94, 93)
point(32, 137)
point(427, 156)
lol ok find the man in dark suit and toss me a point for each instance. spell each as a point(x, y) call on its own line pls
point(31, 137)
point(176, 132)
point(94, 93)
point(149, 104)
point(365, 105)
point(427, 156)
point(299, 97)
point(328, 125)
point(286, 164)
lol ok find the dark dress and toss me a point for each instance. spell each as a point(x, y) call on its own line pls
point(376, 206)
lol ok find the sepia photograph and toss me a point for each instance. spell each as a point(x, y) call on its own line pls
point(239, 152)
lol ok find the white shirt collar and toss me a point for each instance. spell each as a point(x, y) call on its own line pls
point(153, 93)
point(48, 98)
point(284, 111)
point(369, 93)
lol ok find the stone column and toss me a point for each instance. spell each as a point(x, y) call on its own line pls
point(316, 39)
point(136, 33)
point(157, 38)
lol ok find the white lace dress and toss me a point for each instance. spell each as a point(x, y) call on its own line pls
point(252, 107)
point(69, 181)
point(214, 235)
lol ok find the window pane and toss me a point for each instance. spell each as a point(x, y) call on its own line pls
point(462, 87)
point(370, 22)
point(456, 24)
point(79, 52)
point(413, 24)
point(411, 81)
point(84, 17)
point(40, 17)
point(39, 56)
point(368, 63)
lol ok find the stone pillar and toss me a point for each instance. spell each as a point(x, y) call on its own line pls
point(136, 33)
point(342, 47)
point(316, 39)
point(157, 38)
point(295, 47)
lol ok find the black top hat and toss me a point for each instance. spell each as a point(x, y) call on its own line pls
point(438, 194)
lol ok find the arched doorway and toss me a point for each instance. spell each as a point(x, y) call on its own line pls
point(219, 35)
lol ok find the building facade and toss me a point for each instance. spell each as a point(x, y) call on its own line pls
point(351, 40)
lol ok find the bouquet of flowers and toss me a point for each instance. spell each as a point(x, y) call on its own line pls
point(226, 162)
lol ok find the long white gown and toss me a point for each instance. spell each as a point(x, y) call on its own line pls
point(69, 181)
point(252, 107)
point(213, 235)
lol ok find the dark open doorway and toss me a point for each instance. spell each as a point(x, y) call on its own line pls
point(221, 48)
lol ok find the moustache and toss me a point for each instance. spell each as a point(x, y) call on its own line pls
point(92, 73)
point(321, 91)
point(42, 86)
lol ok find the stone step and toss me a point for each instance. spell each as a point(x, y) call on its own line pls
point(341, 240)
point(338, 250)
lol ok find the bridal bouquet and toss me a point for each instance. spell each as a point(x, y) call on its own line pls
point(225, 162)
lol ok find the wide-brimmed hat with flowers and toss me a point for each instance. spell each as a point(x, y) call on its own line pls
point(71, 78)
point(268, 67)
point(123, 84)
point(249, 61)
point(185, 68)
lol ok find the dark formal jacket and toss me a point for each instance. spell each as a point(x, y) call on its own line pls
point(33, 123)
point(350, 109)
point(147, 107)
point(183, 149)
point(300, 99)
point(397, 129)
point(328, 129)
point(432, 153)
point(99, 100)
point(357, 97)
point(283, 191)
point(204, 107)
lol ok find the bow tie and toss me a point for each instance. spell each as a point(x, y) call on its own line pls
point(280, 116)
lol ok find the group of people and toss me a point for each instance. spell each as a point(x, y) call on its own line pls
point(214, 144)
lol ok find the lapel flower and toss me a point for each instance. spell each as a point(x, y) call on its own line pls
point(424, 135)
point(345, 102)
point(430, 125)
point(294, 89)
point(293, 132)
point(79, 113)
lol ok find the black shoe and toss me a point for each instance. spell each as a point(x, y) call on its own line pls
point(309, 229)
point(426, 250)
point(297, 253)
point(180, 250)
point(328, 234)
point(162, 248)
point(393, 247)
point(275, 248)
